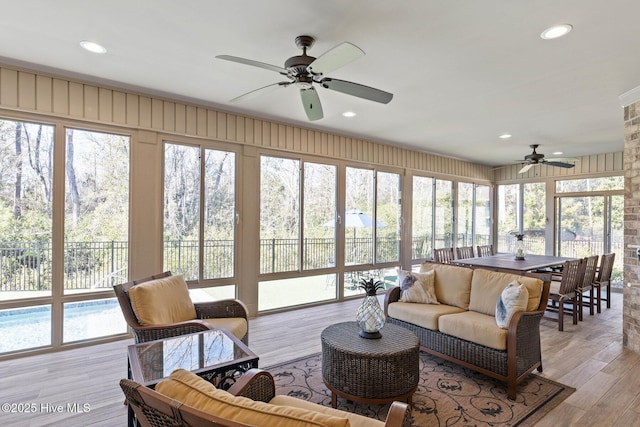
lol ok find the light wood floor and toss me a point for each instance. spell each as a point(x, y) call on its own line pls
point(588, 356)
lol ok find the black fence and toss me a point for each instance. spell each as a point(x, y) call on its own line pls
point(27, 266)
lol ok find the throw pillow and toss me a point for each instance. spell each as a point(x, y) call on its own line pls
point(417, 287)
point(513, 298)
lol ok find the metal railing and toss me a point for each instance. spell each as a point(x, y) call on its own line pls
point(27, 266)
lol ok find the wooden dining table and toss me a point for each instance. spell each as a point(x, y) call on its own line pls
point(508, 264)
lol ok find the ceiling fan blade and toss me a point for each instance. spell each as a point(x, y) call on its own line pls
point(525, 168)
point(558, 164)
point(254, 64)
point(335, 58)
point(561, 159)
point(260, 91)
point(311, 103)
point(358, 90)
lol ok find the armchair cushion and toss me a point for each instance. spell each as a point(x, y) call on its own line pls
point(236, 325)
point(162, 301)
point(355, 420)
point(192, 390)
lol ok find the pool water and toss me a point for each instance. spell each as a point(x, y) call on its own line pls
point(30, 327)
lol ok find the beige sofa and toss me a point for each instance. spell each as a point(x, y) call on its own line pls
point(186, 399)
point(462, 328)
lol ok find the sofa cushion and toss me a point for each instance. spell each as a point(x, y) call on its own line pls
point(192, 390)
point(417, 287)
point(162, 301)
point(423, 315)
point(355, 420)
point(452, 283)
point(476, 327)
point(514, 298)
point(236, 325)
point(486, 287)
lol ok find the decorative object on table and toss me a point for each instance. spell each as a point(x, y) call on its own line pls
point(519, 251)
point(370, 316)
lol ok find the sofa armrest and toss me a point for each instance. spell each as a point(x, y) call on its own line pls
point(220, 309)
point(399, 415)
point(256, 384)
point(392, 295)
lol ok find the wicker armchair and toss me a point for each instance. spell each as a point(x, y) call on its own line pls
point(222, 313)
point(156, 410)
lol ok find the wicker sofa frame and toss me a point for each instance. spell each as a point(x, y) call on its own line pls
point(522, 356)
point(204, 310)
point(153, 409)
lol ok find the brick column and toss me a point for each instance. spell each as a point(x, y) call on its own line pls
point(631, 292)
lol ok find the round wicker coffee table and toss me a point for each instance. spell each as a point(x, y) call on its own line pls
point(370, 370)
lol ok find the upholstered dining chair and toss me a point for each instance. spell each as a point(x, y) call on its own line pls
point(603, 279)
point(484, 250)
point(159, 306)
point(443, 255)
point(564, 291)
point(464, 252)
point(591, 265)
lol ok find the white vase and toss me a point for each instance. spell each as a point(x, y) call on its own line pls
point(370, 317)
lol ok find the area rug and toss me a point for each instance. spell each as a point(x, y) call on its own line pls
point(447, 394)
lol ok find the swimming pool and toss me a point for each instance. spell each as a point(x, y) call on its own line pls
point(30, 327)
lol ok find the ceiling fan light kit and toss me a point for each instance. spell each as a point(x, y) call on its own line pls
point(303, 71)
point(536, 158)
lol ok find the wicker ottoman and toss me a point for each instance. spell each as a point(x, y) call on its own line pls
point(370, 370)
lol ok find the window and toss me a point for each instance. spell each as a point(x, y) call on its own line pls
point(197, 254)
point(297, 232)
point(387, 217)
point(534, 217)
point(96, 217)
point(358, 220)
point(482, 215)
point(279, 214)
point(26, 195)
point(443, 226)
point(465, 214)
point(508, 216)
point(422, 217)
point(182, 210)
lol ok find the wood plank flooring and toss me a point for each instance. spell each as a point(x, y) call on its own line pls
point(588, 356)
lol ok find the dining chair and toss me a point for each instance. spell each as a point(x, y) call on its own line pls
point(591, 265)
point(464, 252)
point(443, 255)
point(603, 279)
point(484, 250)
point(564, 291)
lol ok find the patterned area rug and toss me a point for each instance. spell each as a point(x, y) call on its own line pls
point(447, 394)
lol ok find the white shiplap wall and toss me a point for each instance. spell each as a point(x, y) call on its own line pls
point(23, 90)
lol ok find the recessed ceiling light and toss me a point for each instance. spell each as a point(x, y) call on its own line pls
point(556, 31)
point(93, 47)
point(349, 114)
point(557, 153)
point(505, 136)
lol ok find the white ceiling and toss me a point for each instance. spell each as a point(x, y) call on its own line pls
point(462, 71)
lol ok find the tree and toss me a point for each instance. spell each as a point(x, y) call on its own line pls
point(71, 179)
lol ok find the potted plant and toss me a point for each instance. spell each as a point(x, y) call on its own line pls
point(370, 316)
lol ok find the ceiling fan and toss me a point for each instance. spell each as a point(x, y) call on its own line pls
point(535, 158)
point(305, 71)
